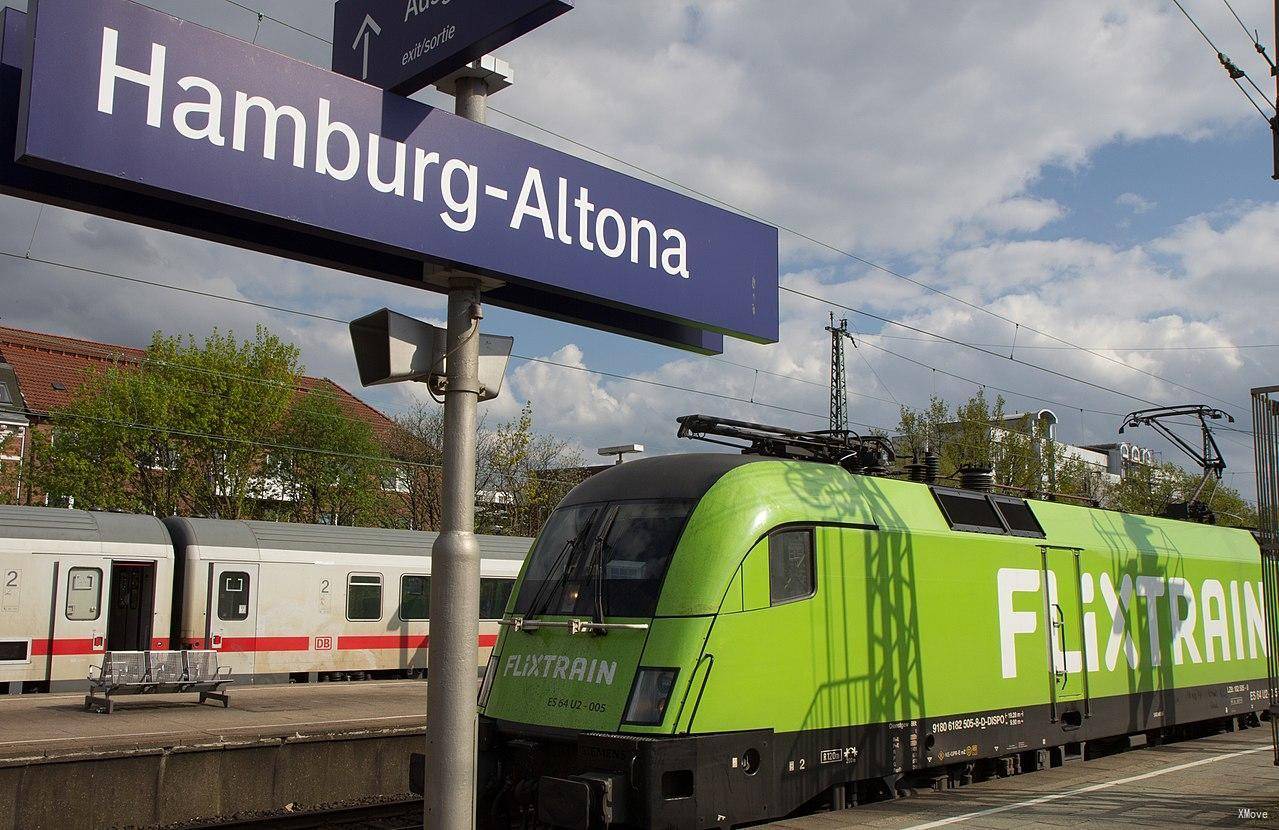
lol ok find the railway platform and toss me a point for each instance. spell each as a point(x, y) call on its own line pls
point(1226, 780)
point(161, 759)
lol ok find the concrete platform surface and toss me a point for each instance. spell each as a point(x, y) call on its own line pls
point(1200, 783)
point(34, 727)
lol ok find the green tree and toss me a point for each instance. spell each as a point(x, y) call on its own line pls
point(181, 431)
point(190, 428)
point(1149, 490)
point(342, 479)
point(521, 474)
point(1023, 456)
point(525, 474)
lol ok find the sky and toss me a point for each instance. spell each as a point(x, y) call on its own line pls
point(1023, 174)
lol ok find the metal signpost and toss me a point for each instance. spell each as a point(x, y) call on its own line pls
point(407, 45)
point(452, 717)
point(120, 110)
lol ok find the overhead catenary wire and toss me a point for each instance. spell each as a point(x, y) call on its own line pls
point(107, 352)
point(873, 371)
point(395, 462)
point(261, 15)
point(1233, 70)
point(269, 445)
point(823, 384)
point(338, 321)
point(1251, 34)
point(946, 339)
point(1024, 346)
point(816, 416)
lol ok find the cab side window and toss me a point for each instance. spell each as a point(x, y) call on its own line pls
point(792, 569)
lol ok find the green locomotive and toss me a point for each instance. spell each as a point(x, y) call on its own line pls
point(708, 640)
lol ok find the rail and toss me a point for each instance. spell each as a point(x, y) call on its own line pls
point(1265, 418)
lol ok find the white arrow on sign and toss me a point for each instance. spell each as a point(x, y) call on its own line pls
point(367, 29)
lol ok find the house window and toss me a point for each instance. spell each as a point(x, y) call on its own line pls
point(396, 482)
point(5, 395)
point(791, 566)
point(233, 596)
point(364, 597)
point(11, 440)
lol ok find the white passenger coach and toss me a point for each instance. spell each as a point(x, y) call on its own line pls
point(280, 602)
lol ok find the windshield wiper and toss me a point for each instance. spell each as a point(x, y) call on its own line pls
point(597, 563)
point(537, 608)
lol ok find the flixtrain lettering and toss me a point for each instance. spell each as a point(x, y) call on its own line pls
point(1209, 621)
point(560, 667)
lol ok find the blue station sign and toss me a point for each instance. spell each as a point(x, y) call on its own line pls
point(406, 45)
point(171, 111)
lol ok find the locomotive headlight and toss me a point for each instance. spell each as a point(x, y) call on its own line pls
point(649, 696)
point(487, 685)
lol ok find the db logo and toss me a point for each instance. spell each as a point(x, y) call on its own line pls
point(323, 643)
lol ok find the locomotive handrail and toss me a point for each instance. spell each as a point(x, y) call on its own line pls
point(573, 626)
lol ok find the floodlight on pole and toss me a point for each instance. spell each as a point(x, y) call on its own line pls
point(621, 451)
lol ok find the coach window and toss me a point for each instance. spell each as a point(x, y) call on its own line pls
point(84, 593)
point(494, 594)
point(364, 597)
point(233, 596)
point(415, 597)
point(791, 566)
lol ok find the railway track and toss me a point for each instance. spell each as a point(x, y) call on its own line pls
point(394, 815)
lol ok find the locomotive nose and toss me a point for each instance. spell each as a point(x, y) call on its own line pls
point(551, 676)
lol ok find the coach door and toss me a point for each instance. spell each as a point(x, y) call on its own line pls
point(77, 620)
point(131, 608)
point(1064, 634)
point(232, 616)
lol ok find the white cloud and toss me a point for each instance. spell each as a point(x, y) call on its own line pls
point(894, 126)
point(1135, 202)
point(1021, 214)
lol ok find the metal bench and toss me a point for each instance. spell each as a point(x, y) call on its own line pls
point(156, 672)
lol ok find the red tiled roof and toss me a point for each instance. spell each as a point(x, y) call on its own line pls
point(52, 368)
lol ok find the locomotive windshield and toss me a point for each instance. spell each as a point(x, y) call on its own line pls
point(603, 560)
